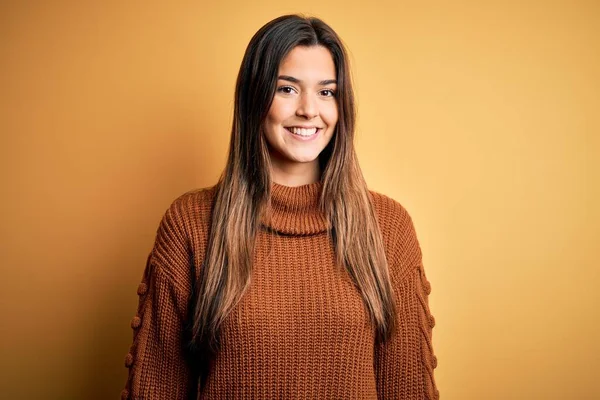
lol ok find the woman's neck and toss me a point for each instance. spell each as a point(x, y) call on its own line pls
point(294, 210)
point(295, 173)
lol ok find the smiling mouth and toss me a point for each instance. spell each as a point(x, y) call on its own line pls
point(304, 132)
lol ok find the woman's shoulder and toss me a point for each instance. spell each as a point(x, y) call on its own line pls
point(183, 231)
point(191, 210)
point(188, 215)
point(194, 202)
point(389, 211)
point(397, 229)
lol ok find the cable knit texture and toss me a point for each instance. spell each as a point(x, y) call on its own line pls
point(301, 331)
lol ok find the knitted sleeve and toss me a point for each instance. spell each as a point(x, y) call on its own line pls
point(156, 363)
point(404, 365)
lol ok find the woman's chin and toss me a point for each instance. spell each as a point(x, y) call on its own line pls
point(303, 158)
point(295, 156)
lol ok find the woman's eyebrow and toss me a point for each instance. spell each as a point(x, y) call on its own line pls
point(296, 80)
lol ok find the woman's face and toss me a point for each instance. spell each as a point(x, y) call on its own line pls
point(304, 112)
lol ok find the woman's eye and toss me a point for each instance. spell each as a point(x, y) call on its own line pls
point(286, 89)
point(328, 93)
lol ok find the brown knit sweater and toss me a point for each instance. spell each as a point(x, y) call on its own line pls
point(302, 330)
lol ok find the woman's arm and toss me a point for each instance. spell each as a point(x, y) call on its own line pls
point(156, 363)
point(404, 365)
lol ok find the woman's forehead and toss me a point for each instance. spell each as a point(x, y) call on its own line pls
point(308, 65)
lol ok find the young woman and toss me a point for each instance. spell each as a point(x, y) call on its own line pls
point(289, 278)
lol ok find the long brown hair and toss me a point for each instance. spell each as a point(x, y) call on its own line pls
point(244, 189)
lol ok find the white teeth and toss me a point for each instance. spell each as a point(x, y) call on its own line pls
point(302, 131)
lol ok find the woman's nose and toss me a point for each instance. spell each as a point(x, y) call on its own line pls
point(307, 106)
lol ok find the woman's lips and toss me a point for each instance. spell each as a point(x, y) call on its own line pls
point(304, 138)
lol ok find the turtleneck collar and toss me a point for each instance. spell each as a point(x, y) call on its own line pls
point(295, 210)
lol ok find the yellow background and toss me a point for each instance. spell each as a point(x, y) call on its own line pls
point(481, 118)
